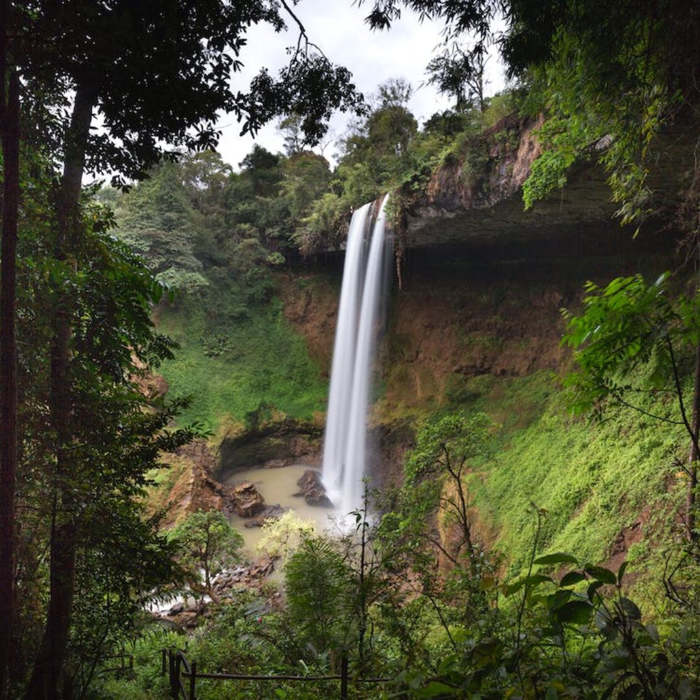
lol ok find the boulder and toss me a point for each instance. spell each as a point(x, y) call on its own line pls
point(312, 490)
point(309, 480)
point(243, 576)
point(318, 498)
point(269, 513)
point(186, 619)
point(246, 500)
point(262, 568)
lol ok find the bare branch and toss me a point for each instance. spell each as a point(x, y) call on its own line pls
point(303, 34)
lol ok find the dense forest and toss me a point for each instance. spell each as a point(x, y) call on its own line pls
point(530, 521)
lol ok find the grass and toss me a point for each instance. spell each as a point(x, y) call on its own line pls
point(593, 479)
point(231, 368)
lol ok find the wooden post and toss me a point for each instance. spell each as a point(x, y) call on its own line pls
point(193, 678)
point(174, 675)
point(344, 677)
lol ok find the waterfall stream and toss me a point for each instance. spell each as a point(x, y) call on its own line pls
point(362, 289)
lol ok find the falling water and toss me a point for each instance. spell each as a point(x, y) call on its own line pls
point(335, 440)
point(345, 446)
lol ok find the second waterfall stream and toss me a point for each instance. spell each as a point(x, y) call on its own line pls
point(362, 294)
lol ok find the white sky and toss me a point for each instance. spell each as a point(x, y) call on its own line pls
point(338, 27)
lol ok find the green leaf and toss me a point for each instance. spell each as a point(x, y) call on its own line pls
point(600, 573)
point(510, 588)
point(571, 578)
point(557, 558)
point(621, 571)
point(577, 612)
point(557, 599)
point(530, 581)
point(593, 588)
point(630, 609)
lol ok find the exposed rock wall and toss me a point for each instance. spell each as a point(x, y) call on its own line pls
point(462, 313)
point(477, 197)
point(274, 443)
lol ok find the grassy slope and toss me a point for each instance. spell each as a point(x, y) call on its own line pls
point(260, 360)
point(594, 479)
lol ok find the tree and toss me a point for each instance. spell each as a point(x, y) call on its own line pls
point(440, 460)
point(158, 219)
point(318, 587)
point(207, 544)
point(283, 536)
point(143, 56)
point(395, 92)
point(290, 127)
point(117, 432)
point(460, 73)
point(431, 521)
point(306, 177)
point(9, 120)
point(630, 325)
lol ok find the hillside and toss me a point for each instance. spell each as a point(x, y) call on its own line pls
point(476, 326)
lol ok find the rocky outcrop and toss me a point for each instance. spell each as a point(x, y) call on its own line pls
point(312, 489)
point(277, 442)
point(187, 485)
point(268, 513)
point(476, 197)
point(196, 489)
point(245, 500)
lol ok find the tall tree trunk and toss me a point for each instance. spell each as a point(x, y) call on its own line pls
point(691, 496)
point(694, 456)
point(9, 113)
point(49, 665)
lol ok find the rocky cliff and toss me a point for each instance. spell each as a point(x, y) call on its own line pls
point(475, 323)
point(475, 198)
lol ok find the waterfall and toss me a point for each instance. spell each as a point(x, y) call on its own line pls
point(345, 443)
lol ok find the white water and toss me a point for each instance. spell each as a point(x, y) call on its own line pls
point(345, 445)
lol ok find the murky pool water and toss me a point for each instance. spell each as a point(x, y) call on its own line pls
point(277, 485)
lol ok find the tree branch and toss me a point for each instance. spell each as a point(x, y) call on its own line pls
point(303, 34)
point(679, 394)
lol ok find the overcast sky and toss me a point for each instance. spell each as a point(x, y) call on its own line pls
point(338, 27)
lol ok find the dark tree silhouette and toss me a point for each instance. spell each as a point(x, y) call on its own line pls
point(157, 73)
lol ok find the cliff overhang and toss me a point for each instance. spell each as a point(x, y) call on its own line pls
point(474, 199)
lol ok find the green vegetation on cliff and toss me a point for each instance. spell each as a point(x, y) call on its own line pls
point(231, 369)
point(606, 481)
point(215, 237)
